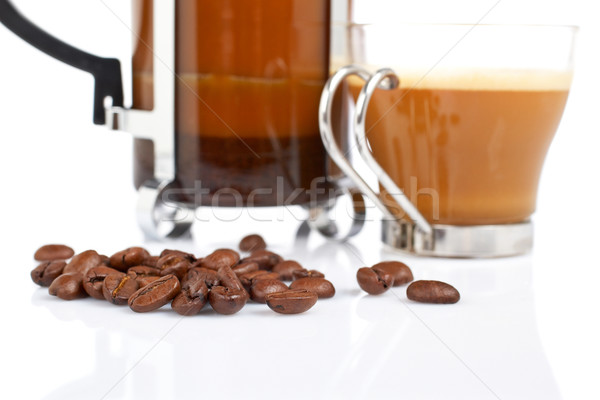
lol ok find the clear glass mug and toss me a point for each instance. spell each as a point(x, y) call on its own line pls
point(456, 121)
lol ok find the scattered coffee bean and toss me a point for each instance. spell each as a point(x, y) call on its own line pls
point(305, 273)
point(229, 279)
point(286, 269)
point(226, 300)
point(155, 295)
point(68, 287)
point(432, 292)
point(173, 264)
point(52, 252)
point(220, 258)
point(252, 242)
point(261, 288)
point(209, 276)
point(127, 258)
point(94, 278)
point(143, 274)
point(245, 268)
point(399, 271)
point(321, 286)
point(83, 262)
point(188, 256)
point(47, 271)
point(374, 282)
point(291, 301)
point(191, 300)
point(117, 289)
point(265, 259)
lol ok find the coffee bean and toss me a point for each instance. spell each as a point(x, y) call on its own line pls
point(432, 292)
point(83, 262)
point(265, 259)
point(143, 274)
point(248, 278)
point(188, 256)
point(399, 271)
point(105, 260)
point(226, 300)
point(220, 258)
point(117, 289)
point(127, 258)
point(321, 286)
point(305, 273)
point(51, 252)
point(191, 300)
point(151, 261)
point(229, 279)
point(68, 286)
point(252, 242)
point(245, 268)
point(94, 278)
point(47, 271)
point(286, 269)
point(374, 282)
point(209, 276)
point(292, 301)
point(173, 264)
point(155, 295)
point(261, 288)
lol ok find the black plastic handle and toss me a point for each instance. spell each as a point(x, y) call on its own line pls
point(106, 71)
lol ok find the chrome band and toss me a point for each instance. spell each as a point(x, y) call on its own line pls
point(476, 241)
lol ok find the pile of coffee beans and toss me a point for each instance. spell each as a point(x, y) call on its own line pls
point(380, 277)
point(147, 282)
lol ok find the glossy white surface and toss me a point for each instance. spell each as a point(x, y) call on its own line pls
point(525, 328)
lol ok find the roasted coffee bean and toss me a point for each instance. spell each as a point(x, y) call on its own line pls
point(105, 260)
point(151, 261)
point(305, 273)
point(245, 268)
point(83, 262)
point(220, 258)
point(248, 278)
point(173, 264)
point(292, 301)
point(47, 271)
point(209, 276)
point(155, 295)
point(252, 242)
point(188, 256)
point(265, 259)
point(399, 271)
point(117, 289)
point(127, 258)
point(321, 286)
point(68, 286)
point(374, 282)
point(143, 274)
point(229, 279)
point(52, 252)
point(94, 278)
point(226, 300)
point(286, 269)
point(191, 300)
point(261, 288)
point(435, 292)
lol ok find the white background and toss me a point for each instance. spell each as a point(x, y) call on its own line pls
point(527, 327)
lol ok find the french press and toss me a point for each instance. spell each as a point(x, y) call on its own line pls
point(225, 107)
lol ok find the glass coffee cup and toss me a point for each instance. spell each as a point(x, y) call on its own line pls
point(455, 121)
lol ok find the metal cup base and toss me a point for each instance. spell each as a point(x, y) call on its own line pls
point(476, 241)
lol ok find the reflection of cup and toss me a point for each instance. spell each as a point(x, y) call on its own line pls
point(459, 142)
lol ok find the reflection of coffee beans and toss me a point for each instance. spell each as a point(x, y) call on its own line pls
point(51, 252)
point(432, 292)
point(291, 301)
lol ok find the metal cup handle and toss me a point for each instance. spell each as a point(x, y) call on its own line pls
point(383, 79)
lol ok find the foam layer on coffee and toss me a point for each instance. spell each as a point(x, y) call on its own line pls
point(483, 79)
